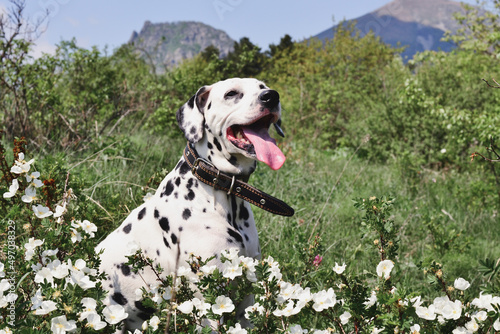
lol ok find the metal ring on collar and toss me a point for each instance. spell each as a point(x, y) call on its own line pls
point(232, 184)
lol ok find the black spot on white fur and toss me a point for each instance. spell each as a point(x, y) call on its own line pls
point(236, 236)
point(167, 190)
point(217, 144)
point(165, 241)
point(142, 213)
point(127, 228)
point(125, 269)
point(164, 224)
point(119, 298)
point(186, 214)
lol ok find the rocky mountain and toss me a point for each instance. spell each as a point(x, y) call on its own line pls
point(167, 44)
point(417, 24)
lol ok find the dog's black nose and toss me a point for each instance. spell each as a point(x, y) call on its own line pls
point(269, 98)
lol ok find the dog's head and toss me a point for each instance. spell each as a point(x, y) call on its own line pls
point(229, 124)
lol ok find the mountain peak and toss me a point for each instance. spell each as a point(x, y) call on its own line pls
point(432, 13)
point(417, 24)
point(168, 44)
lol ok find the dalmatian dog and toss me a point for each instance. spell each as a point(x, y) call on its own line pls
point(227, 124)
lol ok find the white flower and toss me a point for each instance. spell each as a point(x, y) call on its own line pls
point(384, 269)
point(42, 211)
point(461, 284)
point(186, 307)
point(480, 316)
point(4, 286)
point(50, 252)
point(496, 325)
point(114, 314)
point(30, 247)
point(344, 317)
point(33, 243)
point(29, 195)
point(249, 265)
point(75, 236)
point(58, 269)
point(415, 329)
point(20, 165)
point(376, 330)
point(460, 330)
point(232, 269)
point(372, 300)
point(208, 270)
point(472, 325)
point(416, 301)
point(287, 290)
point(33, 180)
point(60, 325)
point(254, 308)
point(223, 304)
point(132, 248)
point(89, 306)
point(147, 197)
point(339, 269)
point(46, 307)
point(323, 300)
point(443, 151)
point(12, 189)
point(452, 310)
point(44, 274)
point(289, 310)
point(37, 299)
point(88, 227)
point(60, 210)
point(484, 302)
point(94, 321)
point(230, 254)
point(154, 322)
point(274, 269)
point(79, 278)
point(236, 330)
point(167, 295)
point(426, 312)
point(296, 329)
point(201, 306)
point(303, 295)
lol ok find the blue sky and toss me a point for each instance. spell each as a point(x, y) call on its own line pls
point(111, 22)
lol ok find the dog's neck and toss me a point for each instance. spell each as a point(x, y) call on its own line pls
point(210, 149)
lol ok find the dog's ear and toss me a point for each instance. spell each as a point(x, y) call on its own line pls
point(190, 116)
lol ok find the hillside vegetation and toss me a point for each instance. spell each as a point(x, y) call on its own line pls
point(380, 166)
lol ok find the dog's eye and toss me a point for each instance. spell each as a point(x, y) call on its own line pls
point(230, 94)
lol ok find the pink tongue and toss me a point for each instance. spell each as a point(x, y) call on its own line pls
point(265, 147)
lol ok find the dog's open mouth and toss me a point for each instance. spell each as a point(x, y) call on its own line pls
point(255, 140)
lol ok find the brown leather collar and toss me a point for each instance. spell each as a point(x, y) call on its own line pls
point(209, 174)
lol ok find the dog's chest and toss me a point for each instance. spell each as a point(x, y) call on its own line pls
point(200, 219)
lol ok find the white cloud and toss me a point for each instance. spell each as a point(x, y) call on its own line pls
point(71, 20)
point(42, 46)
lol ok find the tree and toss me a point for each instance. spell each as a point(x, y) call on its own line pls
point(17, 35)
point(480, 28)
point(246, 60)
